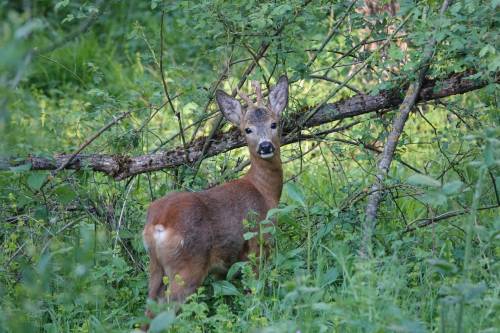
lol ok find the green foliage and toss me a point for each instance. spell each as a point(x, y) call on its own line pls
point(72, 258)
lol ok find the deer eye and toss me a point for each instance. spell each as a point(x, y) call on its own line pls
point(248, 130)
point(273, 125)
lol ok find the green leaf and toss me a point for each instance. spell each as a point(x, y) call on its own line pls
point(489, 157)
point(442, 266)
point(452, 187)
point(396, 53)
point(225, 288)
point(281, 10)
point(295, 194)
point(249, 235)
point(162, 321)
point(68, 18)
point(329, 277)
point(423, 180)
point(486, 49)
point(235, 268)
point(65, 194)
point(472, 291)
point(267, 230)
point(154, 3)
point(36, 179)
point(321, 307)
point(21, 168)
point(434, 198)
point(61, 4)
point(280, 211)
point(259, 23)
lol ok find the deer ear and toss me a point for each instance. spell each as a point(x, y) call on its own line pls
point(278, 97)
point(230, 107)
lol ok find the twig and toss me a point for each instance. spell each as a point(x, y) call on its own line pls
point(391, 144)
point(494, 187)
point(122, 211)
point(331, 34)
point(64, 67)
point(165, 87)
point(326, 78)
point(215, 86)
point(420, 223)
point(155, 112)
point(313, 112)
point(375, 150)
point(85, 145)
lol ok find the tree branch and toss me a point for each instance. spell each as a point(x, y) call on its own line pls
point(421, 223)
point(384, 164)
point(124, 166)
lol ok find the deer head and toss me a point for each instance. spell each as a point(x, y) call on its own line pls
point(258, 122)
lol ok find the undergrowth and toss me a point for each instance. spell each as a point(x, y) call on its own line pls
point(72, 257)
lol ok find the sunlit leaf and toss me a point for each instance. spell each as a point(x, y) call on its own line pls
point(423, 180)
point(452, 187)
point(249, 235)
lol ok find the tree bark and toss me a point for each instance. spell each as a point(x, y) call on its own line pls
point(124, 166)
point(384, 164)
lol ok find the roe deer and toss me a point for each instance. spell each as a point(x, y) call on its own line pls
point(189, 234)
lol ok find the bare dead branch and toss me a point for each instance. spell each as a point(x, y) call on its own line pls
point(384, 164)
point(123, 166)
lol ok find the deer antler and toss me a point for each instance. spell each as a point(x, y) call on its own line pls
point(244, 97)
point(258, 92)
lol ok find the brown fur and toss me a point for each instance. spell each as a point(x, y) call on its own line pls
point(191, 234)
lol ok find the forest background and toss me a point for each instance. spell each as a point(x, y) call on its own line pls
point(389, 218)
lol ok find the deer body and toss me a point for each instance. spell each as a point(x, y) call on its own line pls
point(190, 234)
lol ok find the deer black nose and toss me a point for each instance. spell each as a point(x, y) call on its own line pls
point(266, 147)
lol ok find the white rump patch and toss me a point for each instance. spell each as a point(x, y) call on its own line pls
point(166, 241)
point(160, 234)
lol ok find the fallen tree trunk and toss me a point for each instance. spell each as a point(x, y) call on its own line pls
point(123, 166)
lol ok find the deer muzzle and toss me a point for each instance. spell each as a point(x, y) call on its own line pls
point(266, 149)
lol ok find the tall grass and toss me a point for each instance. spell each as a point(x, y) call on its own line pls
point(72, 259)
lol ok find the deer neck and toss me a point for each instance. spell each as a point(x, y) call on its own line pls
point(267, 177)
